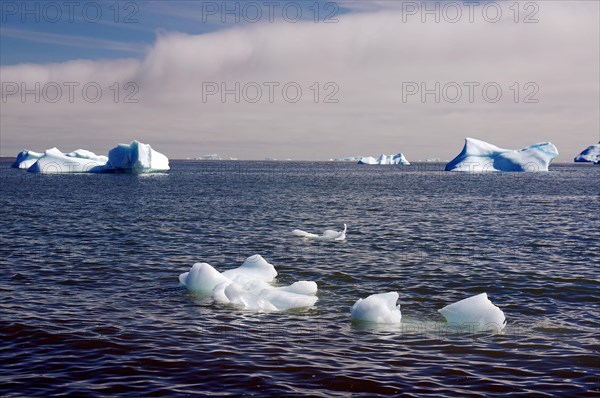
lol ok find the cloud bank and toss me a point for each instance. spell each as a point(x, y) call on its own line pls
point(375, 81)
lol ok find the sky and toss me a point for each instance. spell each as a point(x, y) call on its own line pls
point(303, 80)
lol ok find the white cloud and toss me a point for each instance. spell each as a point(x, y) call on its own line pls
point(367, 55)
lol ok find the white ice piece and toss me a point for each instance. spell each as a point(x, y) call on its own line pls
point(477, 311)
point(248, 286)
point(479, 156)
point(378, 308)
point(328, 234)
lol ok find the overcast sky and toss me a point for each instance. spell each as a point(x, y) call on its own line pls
point(302, 82)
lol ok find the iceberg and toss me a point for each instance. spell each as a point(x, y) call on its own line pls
point(477, 311)
point(347, 159)
point(590, 154)
point(214, 156)
point(136, 158)
point(378, 308)
point(80, 161)
point(479, 156)
point(249, 286)
point(328, 234)
point(25, 159)
point(383, 159)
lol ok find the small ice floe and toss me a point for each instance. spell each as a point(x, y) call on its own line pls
point(476, 311)
point(378, 308)
point(249, 286)
point(328, 234)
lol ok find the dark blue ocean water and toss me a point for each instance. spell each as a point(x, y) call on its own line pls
point(91, 304)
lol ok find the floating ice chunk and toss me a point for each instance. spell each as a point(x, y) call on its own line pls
point(302, 287)
point(590, 154)
point(26, 158)
point(262, 297)
point(328, 234)
point(384, 159)
point(136, 158)
point(284, 300)
point(479, 156)
point(477, 310)
point(254, 268)
point(202, 277)
point(378, 308)
point(54, 161)
point(248, 286)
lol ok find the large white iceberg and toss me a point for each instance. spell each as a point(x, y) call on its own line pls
point(328, 234)
point(590, 154)
point(79, 161)
point(25, 159)
point(479, 156)
point(249, 286)
point(136, 158)
point(133, 158)
point(378, 308)
point(384, 159)
point(476, 311)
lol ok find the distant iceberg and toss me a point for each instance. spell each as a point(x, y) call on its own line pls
point(477, 311)
point(479, 156)
point(378, 308)
point(249, 286)
point(214, 156)
point(347, 159)
point(590, 154)
point(328, 234)
point(383, 159)
point(134, 158)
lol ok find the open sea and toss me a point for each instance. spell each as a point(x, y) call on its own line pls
point(91, 304)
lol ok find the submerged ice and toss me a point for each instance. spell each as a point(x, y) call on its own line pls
point(377, 308)
point(477, 311)
point(328, 234)
point(134, 158)
point(479, 156)
point(249, 286)
point(384, 159)
point(590, 154)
